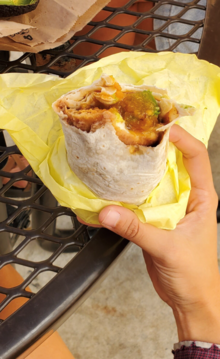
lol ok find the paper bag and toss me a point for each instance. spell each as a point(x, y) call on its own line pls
point(51, 24)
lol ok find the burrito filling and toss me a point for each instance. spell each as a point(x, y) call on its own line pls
point(135, 115)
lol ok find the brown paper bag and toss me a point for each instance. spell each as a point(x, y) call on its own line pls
point(50, 25)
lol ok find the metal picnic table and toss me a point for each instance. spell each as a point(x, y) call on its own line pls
point(31, 215)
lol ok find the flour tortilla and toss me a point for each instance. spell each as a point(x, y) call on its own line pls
point(110, 168)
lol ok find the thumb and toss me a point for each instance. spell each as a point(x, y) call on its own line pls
point(125, 223)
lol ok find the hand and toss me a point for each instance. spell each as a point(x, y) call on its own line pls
point(182, 263)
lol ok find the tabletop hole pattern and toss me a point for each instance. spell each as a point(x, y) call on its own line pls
point(134, 26)
point(33, 222)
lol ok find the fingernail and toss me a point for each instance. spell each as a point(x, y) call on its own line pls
point(111, 219)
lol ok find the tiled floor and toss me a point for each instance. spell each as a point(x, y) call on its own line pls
point(123, 319)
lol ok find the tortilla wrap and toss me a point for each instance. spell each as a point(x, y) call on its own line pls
point(115, 163)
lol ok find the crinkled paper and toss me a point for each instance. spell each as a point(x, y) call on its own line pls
point(26, 113)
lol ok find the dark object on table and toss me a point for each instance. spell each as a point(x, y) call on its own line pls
point(4, 57)
point(22, 7)
point(63, 63)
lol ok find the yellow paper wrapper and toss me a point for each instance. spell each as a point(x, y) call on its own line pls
point(26, 113)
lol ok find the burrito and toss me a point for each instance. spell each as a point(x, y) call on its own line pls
point(117, 136)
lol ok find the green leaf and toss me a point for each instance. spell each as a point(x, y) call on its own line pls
point(147, 95)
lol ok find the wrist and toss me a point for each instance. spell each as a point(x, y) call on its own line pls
point(200, 321)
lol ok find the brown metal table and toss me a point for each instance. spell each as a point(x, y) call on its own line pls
point(97, 250)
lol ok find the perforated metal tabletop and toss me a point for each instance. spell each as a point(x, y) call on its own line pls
point(31, 215)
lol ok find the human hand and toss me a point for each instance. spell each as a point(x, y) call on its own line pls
point(182, 263)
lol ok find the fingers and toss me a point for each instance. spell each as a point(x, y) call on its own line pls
point(195, 157)
point(125, 223)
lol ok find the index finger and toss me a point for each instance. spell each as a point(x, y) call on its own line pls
point(195, 158)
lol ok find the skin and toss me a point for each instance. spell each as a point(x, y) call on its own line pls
point(182, 263)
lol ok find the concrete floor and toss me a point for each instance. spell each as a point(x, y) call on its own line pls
point(123, 319)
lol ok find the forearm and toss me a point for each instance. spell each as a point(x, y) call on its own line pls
point(202, 321)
